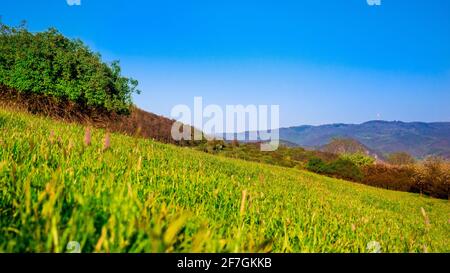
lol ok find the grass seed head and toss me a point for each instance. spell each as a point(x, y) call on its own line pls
point(107, 142)
point(87, 137)
point(244, 197)
point(425, 217)
point(51, 136)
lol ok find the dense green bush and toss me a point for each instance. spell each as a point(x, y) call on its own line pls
point(346, 169)
point(49, 63)
point(359, 159)
point(341, 167)
point(317, 165)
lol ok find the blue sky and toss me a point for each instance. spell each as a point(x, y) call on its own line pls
point(322, 61)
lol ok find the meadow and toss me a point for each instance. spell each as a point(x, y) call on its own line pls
point(61, 182)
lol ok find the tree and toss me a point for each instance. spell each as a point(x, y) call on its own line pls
point(400, 158)
point(433, 177)
point(48, 63)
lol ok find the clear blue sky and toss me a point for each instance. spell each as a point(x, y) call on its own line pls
point(322, 61)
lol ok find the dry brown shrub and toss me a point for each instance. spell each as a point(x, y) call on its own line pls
point(398, 178)
point(432, 177)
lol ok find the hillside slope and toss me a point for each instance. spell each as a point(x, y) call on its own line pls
point(348, 146)
point(417, 138)
point(136, 123)
point(138, 195)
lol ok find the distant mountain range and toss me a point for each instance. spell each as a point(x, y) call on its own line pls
point(420, 139)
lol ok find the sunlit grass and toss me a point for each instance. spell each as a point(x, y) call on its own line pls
point(138, 195)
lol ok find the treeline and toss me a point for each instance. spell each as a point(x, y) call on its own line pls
point(430, 177)
point(401, 172)
point(50, 64)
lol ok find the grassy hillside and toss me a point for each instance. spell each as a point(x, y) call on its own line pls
point(139, 195)
point(136, 122)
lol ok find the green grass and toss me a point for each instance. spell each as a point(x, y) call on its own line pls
point(143, 196)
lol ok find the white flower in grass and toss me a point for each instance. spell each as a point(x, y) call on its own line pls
point(373, 247)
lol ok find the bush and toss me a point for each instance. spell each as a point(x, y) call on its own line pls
point(49, 63)
point(359, 159)
point(317, 165)
point(400, 158)
point(398, 178)
point(346, 169)
point(341, 168)
point(432, 177)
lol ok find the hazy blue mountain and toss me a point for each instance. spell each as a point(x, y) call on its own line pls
point(417, 138)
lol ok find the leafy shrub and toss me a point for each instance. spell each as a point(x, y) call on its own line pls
point(359, 159)
point(342, 168)
point(317, 165)
point(49, 63)
point(346, 169)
